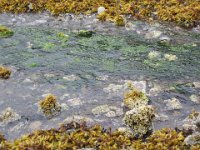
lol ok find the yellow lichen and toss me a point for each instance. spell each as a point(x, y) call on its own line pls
point(4, 72)
point(119, 20)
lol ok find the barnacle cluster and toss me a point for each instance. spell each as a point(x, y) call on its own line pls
point(49, 106)
point(140, 120)
point(4, 72)
point(135, 98)
point(77, 135)
point(5, 32)
point(182, 12)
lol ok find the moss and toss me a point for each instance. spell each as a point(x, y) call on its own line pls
point(4, 72)
point(5, 32)
point(184, 13)
point(134, 99)
point(49, 106)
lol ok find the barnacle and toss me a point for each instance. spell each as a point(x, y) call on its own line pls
point(5, 32)
point(4, 72)
point(49, 106)
point(140, 120)
point(135, 98)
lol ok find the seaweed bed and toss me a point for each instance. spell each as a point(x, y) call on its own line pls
point(183, 12)
point(77, 135)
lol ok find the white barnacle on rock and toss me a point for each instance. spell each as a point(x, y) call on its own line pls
point(170, 57)
point(140, 120)
point(154, 55)
point(8, 115)
point(173, 104)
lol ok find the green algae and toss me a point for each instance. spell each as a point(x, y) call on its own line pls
point(5, 32)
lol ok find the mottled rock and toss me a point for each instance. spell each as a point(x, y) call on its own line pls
point(100, 109)
point(35, 125)
point(161, 117)
point(195, 98)
point(8, 115)
point(153, 34)
point(193, 139)
point(75, 102)
point(170, 57)
point(64, 106)
point(154, 55)
point(71, 77)
point(64, 96)
point(173, 104)
point(78, 119)
point(196, 84)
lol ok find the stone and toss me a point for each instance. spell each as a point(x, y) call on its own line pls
point(164, 39)
point(100, 109)
point(35, 125)
point(101, 10)
point(74, 102)
point(70, 78)
point(161, 117)
point(8, 115)
point(154, 55)
point(110, 114)
point(153, 34)
point(195, 99)
point(64, 106)
point(193, 139)
point(196, 84)
point(173, 104)
point(170, 57)
point(78, 119)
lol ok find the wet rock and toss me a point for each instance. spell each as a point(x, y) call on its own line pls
point(196, 84)
point(173, 104)
point(192, 122)
point(110, 114)
point(108, 111)
point(101, 10)
point(170, 57)
point(70, 78)
point(161, 117)
point(126, 130)
point(8, 115)
point(195, 99)
point(75, 102)
point(78, 119)
point(154, 55)
point(18, 127)
point(153, 34)
point(64, 96)
point(140, 120)
point(35, 125)
point(64, 106)
point(164, 40)
point(193, 139)
point(100, 109)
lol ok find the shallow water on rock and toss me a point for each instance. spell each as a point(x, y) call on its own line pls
point(86, 72)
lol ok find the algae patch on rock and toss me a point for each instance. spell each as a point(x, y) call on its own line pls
point(49, 106)
point(4, 72)
point(5, 32)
